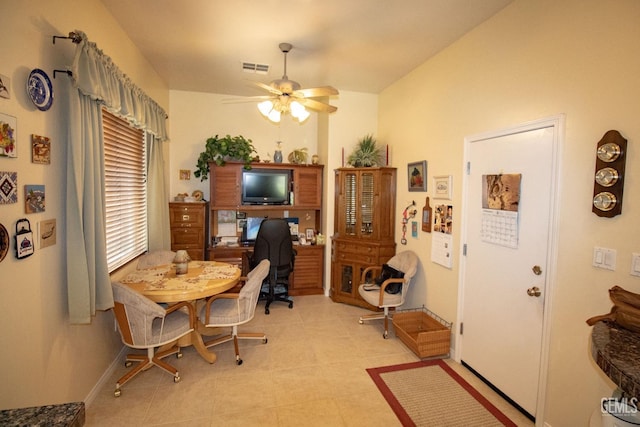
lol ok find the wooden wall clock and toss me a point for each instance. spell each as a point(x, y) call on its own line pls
point(608, 183)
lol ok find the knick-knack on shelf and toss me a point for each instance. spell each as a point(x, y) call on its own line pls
point(277, 155)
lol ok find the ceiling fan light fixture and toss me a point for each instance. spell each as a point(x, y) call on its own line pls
point(303, 116)
point(274, 116)
point(298, 111)
point(287, 96)
point(296, 108)
point(265, 107)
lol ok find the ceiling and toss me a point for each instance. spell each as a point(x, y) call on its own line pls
point(353, 45)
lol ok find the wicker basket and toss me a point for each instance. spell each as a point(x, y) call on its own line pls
point(423, 331)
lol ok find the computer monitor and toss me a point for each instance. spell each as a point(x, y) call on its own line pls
point(251, 227)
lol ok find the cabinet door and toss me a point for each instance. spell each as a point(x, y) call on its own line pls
point(307, 182)
point(226, 186)
point(356, 216)
point(367, 218)
point(346, 212)
point(308, 271)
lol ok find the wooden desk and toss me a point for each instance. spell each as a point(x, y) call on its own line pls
point(203, 279)
point(307, 277)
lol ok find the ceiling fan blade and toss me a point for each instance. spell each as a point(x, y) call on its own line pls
point(268, 88)
point(317, 105)
point(314, 92)
point(247, 99)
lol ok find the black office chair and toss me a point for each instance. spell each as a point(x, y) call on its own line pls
point(273, 242)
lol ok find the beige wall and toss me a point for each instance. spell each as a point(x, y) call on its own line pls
point(533, 60)
point(46, 360)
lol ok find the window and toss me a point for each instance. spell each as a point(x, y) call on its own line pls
point(125, 190)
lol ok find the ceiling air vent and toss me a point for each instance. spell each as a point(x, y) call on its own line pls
point(252, 67)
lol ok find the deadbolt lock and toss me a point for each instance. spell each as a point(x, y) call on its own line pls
point(536, 270)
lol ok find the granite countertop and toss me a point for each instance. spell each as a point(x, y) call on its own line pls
point(66, 414)
point(616, 351)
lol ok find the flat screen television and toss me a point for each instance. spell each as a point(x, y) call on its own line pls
point(265, 187)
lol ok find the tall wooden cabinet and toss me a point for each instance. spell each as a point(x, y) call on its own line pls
point(305, 204)
point(365, 205)
point(189, 227)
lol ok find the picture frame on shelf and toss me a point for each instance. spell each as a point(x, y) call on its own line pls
point(416, 176)
point(442, 187)
point(310, 234)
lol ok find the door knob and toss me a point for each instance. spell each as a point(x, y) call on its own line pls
point(534, 292)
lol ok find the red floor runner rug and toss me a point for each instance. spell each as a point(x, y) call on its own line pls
point(430, 393)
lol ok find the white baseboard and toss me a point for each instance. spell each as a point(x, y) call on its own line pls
point(105, 377)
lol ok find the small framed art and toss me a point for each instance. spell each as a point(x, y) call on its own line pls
point(442, 187)
point(34, 198)
point(40, 149)
point(416, 175)
point(8, 137)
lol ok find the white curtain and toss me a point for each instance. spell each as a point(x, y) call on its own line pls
point(157, 209)
point(97, 82)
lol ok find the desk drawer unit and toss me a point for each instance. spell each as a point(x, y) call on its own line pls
point(308, 273)
point(189, 228)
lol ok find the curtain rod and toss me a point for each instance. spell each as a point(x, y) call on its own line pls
point(73, 36)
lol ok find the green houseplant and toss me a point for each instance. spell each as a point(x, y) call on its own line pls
point(366, 153)
point(298, 156)
point(220, 150)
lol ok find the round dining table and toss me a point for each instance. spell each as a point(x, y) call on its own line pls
point(202, 280)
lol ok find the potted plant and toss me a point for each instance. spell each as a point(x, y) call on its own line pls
point(298, 156)
point(220, 150)
point(366, 154)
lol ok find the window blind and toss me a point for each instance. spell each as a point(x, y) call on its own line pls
point(125, 190)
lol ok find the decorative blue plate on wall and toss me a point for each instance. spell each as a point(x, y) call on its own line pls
point(40, 89)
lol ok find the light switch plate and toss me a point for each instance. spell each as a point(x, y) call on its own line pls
point(635, 264)
point(604, 258)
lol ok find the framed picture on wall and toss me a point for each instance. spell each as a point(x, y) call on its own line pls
point(416, 176)
point(442, 187)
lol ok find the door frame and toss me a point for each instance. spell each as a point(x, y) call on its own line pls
point(558, 124)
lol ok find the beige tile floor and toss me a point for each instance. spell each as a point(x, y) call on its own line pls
point(311, 372)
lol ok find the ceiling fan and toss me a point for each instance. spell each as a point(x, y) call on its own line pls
point(287, 96)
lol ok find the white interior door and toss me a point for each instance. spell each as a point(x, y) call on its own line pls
point(502, 324)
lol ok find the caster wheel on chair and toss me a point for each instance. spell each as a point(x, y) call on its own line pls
point(266, 311)
point(385, 335)
point(361, 321)
point(117, 393)
point(239, 362)
point(291, 305)
point(128, 364)
point(179, 355)
point(176, 379)
point(264, 341)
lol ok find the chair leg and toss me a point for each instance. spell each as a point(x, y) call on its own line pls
point(235, 336)
point(146, 362)
point(376, 316)
point(218, 340)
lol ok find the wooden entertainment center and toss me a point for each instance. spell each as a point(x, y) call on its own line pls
point(305, 203)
